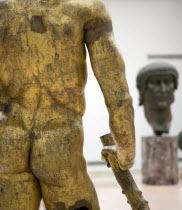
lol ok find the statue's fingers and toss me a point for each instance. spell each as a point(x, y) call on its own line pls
point(109, 152)
point(105, 158)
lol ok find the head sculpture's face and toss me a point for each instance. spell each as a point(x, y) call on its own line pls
point(159, 92)
point(157, 83)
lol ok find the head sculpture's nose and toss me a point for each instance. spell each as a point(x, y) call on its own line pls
point(163, 86)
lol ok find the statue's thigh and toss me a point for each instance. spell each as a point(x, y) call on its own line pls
point(79, 196)
point(14, 150)
point(56, 155)
point(57, 161)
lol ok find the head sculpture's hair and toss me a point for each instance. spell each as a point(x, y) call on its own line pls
point(154, 69)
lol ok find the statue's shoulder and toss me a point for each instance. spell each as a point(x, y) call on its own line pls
point(98, 16)
point(80, 8)
point(86, 9)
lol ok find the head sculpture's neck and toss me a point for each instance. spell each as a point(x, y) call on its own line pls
point(160, 120)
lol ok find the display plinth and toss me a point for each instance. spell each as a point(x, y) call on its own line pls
point(159, 160)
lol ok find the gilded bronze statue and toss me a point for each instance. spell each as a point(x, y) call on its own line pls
point(156, 83)
point(43, 75)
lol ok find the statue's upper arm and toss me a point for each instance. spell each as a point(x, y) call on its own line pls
point(99, 24)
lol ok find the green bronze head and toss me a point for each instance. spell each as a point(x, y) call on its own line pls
point(156, 83)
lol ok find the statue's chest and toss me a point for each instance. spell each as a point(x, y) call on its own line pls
point(56, 25)
point(38, 20)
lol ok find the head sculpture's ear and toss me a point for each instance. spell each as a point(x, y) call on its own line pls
point(176, 81)
point(141, 99)
point(141, 96)
point(141, 86)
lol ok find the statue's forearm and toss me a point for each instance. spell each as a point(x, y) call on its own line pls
point(109, 70)
point(122, 127)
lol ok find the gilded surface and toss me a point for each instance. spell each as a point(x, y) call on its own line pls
point(124, 178)
point(43, 75)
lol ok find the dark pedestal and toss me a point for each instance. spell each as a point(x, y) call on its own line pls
point(159, 160)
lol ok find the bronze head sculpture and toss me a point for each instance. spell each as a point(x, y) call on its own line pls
point(156, 83)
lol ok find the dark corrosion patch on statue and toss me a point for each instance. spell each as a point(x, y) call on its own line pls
point(50, 2)
point(3, 32)
point(33, 136)
point(81, 205)
point(67, 30)
point(37, 25)
point(60, 206)
point(94, 30)
point(7, 108)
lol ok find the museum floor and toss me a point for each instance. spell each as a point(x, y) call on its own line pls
point(111, 198)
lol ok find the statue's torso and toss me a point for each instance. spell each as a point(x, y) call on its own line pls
point(42, 53)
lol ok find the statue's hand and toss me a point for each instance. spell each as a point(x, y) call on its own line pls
point(112, 157)
point(109, 154)
point(125, 159)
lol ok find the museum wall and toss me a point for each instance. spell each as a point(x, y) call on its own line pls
point(142, 29)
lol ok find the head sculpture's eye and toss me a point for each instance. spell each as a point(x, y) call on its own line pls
point(154, 82)
point(169, 81)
